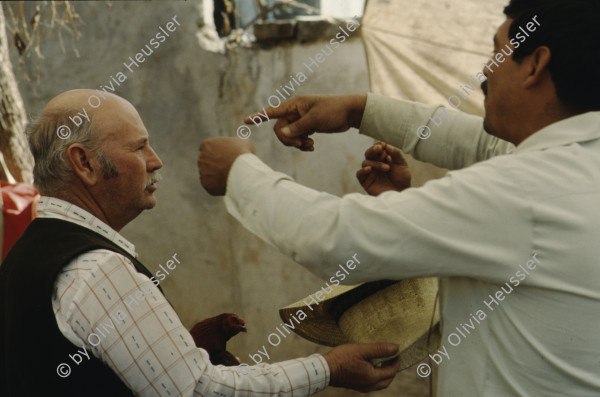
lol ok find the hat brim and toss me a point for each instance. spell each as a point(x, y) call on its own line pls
point(400, 312)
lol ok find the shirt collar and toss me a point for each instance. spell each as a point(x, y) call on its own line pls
point(580, 128)
point(52, 207)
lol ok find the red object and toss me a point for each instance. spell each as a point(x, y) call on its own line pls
point(18, 210)
point(213, 333)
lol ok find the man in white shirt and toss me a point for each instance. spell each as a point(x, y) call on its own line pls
point(512, 231)
point(74, 284)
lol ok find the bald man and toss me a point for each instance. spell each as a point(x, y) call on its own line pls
point(81, 316)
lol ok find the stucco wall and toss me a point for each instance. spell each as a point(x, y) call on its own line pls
point(185, 94)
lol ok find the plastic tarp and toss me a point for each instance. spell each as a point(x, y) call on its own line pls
point(425, 50)
point(19, 204)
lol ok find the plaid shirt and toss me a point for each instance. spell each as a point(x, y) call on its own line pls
point(104, 306)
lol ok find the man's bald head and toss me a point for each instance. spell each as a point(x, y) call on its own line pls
point(97, 106)
point(78, 99)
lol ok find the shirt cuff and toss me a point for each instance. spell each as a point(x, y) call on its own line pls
point(398, 122)
point(375, 121)
point(312, 372)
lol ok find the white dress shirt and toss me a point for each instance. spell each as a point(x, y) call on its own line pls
point(139, 335)
point(473, 228)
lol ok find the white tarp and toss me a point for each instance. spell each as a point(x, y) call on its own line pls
point(425, 50)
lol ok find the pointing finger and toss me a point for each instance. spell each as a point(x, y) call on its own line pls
point(282, 111)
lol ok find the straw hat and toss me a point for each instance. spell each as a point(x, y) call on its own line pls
point(403, 312)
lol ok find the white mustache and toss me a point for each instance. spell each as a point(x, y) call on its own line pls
point(154, 178)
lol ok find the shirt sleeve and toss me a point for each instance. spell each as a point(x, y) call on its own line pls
point(457, 139)
point(459, 225)
point(108, 309)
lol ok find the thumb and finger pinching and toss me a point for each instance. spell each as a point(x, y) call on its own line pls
point(379, 350)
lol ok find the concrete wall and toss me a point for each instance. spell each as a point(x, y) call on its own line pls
point(184, 94)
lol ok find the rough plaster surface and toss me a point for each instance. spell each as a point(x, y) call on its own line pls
point(185, 94)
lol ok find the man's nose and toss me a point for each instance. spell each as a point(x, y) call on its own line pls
point(154, 162)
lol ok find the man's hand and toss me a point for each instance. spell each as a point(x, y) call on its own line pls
point(350, 367)
point(304, 115)
point(215, 160)
point(383, 169)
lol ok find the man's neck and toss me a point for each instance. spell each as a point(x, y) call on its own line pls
point(88, 203)
point(538, 121)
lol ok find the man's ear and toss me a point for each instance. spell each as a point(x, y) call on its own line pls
point(537, 67)
point(84, 164)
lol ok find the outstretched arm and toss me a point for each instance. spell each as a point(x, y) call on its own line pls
point(434, 230)
point(447, 139)
point(456, 139)
point(301, 116)
point(147, 346)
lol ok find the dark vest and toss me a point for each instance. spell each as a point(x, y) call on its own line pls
point(31, 345)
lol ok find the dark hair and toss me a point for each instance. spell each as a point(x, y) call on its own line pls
point(571, 30)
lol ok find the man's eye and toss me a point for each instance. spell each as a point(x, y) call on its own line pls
point(141, 147)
